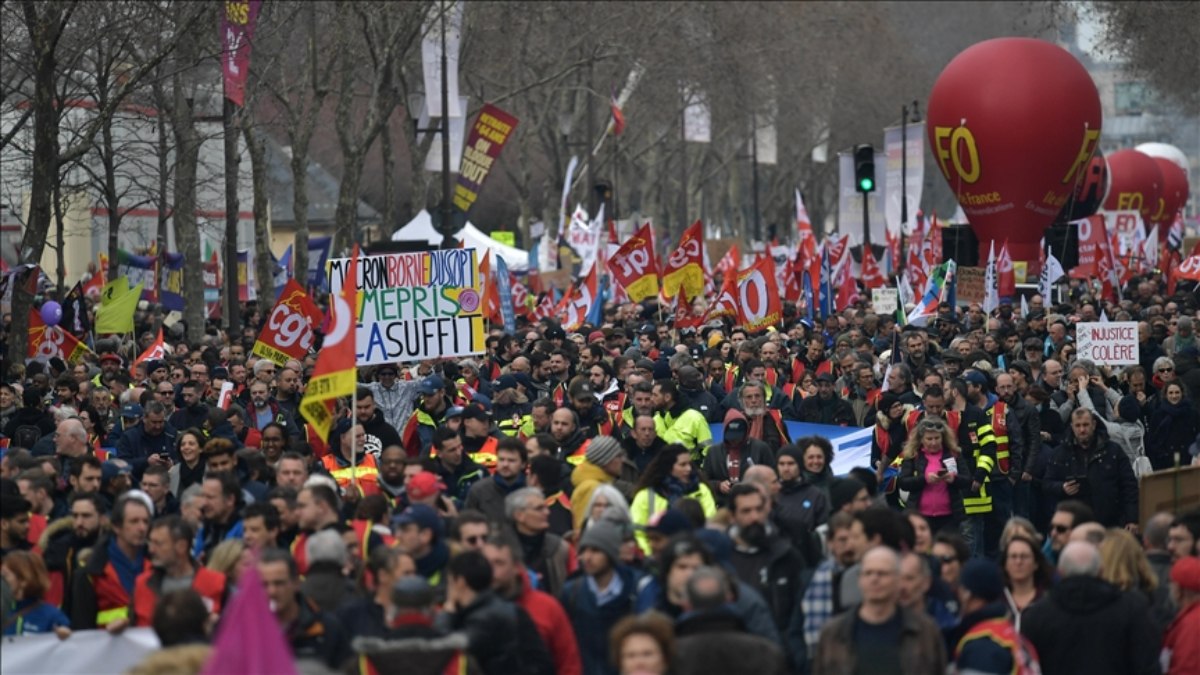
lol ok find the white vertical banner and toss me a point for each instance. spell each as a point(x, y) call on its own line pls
point(431, 57)
point(433, 160)
point(850, 210)
point(697, 117)
point(766, 138)
point(912, 143)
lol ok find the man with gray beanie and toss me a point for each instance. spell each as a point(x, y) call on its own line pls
point(596, 600)
point(326, 583)
point(602, 463)
point(1088, 625)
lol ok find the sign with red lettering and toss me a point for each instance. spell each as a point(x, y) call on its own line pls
point(1107, 343)
point(487, 138)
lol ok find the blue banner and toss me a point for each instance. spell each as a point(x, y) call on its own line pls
point(172, 283)
point(318, 255)
point(851, 445)
point(506, 302)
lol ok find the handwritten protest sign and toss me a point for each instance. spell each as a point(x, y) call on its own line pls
point(1111, 343)
point(885, 300)
point(415, 306)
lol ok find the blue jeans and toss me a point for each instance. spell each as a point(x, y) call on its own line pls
point(972, 529)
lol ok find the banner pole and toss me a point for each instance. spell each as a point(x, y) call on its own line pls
point(353, 441)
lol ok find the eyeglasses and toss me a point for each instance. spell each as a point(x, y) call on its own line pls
point(947, 559)
point(1060, 529)
point(1020, 556)
point(1166, 370)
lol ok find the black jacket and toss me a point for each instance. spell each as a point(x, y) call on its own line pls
point(1107, 482)
point(816, 410)
point(799, 508)
point(1087, 625)
point(912, 480)
point(639, 456)
point(777, 571)
point(716, 641)
point(704, 401)
point(318, 635)
point(494, 635)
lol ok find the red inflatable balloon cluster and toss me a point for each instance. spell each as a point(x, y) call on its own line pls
point(1013, 124)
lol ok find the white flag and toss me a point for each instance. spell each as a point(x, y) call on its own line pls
point(1052, 271)
point(1024, 307)
point(991, 283)
point(697, 117)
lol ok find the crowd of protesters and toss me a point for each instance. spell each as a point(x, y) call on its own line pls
point(560, 504)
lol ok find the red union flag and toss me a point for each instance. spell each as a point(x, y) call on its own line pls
point(685, 267)
point(726, 303)
point(581, 301)
point(872, 275)
point(288, 333)
point(1189, 268)
point(633, 266)
point(758, 303)
point(1006, 273)
point(155, 351)
point(334, 374)
point(47, 342)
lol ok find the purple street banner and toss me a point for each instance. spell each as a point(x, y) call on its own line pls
point(237, 32)
point(487, 138)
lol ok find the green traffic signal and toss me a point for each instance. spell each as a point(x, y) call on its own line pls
point(866, 185)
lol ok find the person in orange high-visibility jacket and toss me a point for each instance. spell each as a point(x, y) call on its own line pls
point(102, 592)
point(364, 473)
point(170, 543)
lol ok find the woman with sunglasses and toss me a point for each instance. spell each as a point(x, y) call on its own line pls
point(935, 474)
point(1172, 428)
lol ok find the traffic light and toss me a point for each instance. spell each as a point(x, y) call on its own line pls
point(864, 168)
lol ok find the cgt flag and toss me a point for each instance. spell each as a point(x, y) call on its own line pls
point(685, 267)
point(47, 342)
point(155, 351)
point(288, 333)
point(633, 266)
point(758, 302)
point(334, 374)
point(580, 302)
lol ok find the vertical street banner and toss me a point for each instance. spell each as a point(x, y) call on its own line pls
point(506, 296)
point(212, 286)
point(247, 287)
point(237, 32)
point(416, 306)
point(288, 333)
point(899, 142)
point(450, 15)
point(491, 131)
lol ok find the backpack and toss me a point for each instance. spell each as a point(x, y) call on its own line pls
point(26, 436)
point(996, 646)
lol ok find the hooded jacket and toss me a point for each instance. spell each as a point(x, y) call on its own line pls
point(1087, 625)
point(750, 452)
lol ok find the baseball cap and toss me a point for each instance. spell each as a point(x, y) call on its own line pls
point(387, 368)
point(110, 357)
point(431, 384)
point(976, 377)
point(476, 411)
point(826, 377)
point(110, 470)
point(412, 592)
point(454, 411)
point(131, 410)
point(524, 380)
point(581, 389)
point(218, 373)
point(555, 333)
point(505, 382)
point(154, 364)
point(424, 517)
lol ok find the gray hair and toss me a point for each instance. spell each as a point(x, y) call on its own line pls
point(1163, 361)
point(65, 412)
point(326, 546)
point(1079, 559)
point(262, 364)
point(518, 500)
point(1184, 324)
point(1087, 366)
point(708, 588)
point(613, 495)
point(191, 493)
point(1157, 529)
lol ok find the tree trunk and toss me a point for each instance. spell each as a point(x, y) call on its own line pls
point(346, 232)
point(233, 303)
point(187, 156)
point(43, 35)
point(389, 180)
point(258, 176)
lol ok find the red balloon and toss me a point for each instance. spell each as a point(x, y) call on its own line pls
point(1172, 197)
point(1136, 183)
point(1012, 123)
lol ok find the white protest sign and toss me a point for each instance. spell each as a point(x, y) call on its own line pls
point(1111, 343)
point(94, 652)
point(416, 306)
point(885, 300)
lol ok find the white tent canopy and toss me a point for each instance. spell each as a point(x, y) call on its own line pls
point(421, 228)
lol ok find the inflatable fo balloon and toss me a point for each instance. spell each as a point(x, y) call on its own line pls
point(1136, 184)
point(1174, 194)
point(1013, 124)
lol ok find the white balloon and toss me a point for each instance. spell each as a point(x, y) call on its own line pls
point(1167, 152)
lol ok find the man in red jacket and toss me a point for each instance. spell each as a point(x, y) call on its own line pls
point(510, 580)
point(174, 568)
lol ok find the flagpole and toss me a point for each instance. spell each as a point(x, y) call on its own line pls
point(354, 451)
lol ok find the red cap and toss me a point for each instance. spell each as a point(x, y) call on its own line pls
point(596, 336)
point(1186, 573)
point(424, 485)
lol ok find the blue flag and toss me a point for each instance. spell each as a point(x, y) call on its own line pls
point(826, 284)
point(595, 315)
point(506, 301)
point(809, 301)
point(318, 254)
